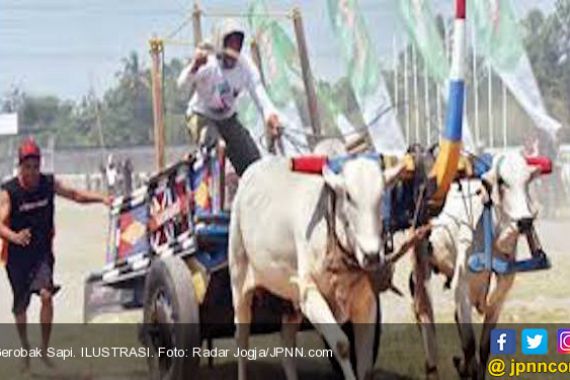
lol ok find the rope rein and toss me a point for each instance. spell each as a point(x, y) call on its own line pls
point(346, 259)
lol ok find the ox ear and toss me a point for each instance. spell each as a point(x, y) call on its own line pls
point(393, 174)
point(490, 181)
point(333, 180)
point(490, 177)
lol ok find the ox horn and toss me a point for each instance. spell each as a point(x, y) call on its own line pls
point(447, 160)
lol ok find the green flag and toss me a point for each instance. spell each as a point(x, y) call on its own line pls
point(279, 54)
point(420, 26)
point(498, 40)
point(329, 108)
point(363, 65)
point(277, 49)
point(282, 71)
point(363, 71)
point(280, 64)
point(497, 34)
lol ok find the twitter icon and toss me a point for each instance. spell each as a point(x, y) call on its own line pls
point(534, 342)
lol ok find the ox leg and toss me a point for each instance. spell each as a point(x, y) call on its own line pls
point(242, 320)
point(463, 318)
point(364, 330)
point(242, 294)
point(289, 327)
point(317, 311)
point(492, 312)
point(423, 307)
point(463, 307)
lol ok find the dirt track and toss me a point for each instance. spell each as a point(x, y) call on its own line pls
point(80, 248)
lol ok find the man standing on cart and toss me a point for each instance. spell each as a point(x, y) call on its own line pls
point(219, 75)
point(27, 229)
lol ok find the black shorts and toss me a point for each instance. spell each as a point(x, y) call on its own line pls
point(29, 277)
point(240, 146)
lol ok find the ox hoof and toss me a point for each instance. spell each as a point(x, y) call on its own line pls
point(464, 370)
point(343, 349)
point(431, 373)
point(459, 366)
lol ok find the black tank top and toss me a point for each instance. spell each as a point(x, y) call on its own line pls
point(34, 210)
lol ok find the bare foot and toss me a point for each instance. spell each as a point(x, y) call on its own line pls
point(25, 366)
point(46, 360)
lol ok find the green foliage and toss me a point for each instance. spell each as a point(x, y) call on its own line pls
point(547, 40)
point(123, 117)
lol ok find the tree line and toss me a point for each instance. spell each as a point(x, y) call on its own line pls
point(122, 116)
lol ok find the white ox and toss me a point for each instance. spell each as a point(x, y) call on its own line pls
point(456, 233)
point(290, 237)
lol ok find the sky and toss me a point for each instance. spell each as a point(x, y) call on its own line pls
point(66, 47)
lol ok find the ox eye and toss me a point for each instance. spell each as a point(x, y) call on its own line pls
point(349, 199)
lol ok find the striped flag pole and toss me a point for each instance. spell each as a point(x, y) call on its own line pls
point(475, 86)
point(445, 166)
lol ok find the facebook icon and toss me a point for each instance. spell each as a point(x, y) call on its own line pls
point(503, 342)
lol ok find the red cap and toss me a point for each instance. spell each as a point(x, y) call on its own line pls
point(28, 148)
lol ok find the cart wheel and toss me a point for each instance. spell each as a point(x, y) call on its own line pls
point(171, 320)
point(349, 331)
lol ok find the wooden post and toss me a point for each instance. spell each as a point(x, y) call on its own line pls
point(156, 48)
point(272, 143)
point(197, 30)
point(256, 57)
point(197, 24)
point(307, 75)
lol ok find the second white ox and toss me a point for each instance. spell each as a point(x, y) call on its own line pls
point(290, 237)
point(458, 231)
